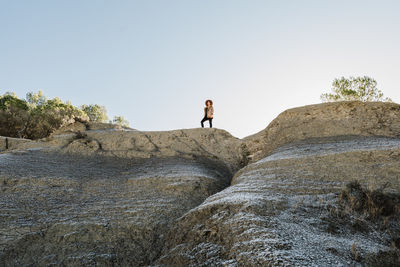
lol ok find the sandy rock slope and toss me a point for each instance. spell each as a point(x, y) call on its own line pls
point(100, 195)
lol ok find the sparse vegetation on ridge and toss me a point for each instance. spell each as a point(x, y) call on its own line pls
point(37, 116)
point(355, 89)
point(149, 198)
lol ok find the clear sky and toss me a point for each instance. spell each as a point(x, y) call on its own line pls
point(156, 61)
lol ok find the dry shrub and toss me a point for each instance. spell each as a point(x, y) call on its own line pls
point(389, 258)
point(80, 135)
point(373, 203)
point(364, 207)
point(354, 252)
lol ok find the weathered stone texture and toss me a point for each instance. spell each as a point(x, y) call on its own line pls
point(100, 195)
point(325, 120)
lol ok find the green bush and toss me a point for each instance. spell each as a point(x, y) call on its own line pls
point(14, 114)
point(49, 115)
point(120, 121)
point(354, 88)
point(38, 117)
point(95, 112)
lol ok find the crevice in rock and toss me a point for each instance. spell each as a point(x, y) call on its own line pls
point(117, 204)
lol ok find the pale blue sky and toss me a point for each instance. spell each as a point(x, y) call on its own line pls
point(155, 62)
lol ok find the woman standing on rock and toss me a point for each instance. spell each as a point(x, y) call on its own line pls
point(208, 113)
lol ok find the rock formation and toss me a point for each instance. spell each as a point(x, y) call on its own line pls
point(104, 196)
point(325, 120)
point(277, 212)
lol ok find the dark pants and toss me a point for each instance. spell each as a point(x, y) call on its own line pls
point(206, 119)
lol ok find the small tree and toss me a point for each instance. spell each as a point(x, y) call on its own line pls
point(14, 113)
point(46, 116)
point(96, 113)
point(351, 89)
point(120, 121)
point(36, 117)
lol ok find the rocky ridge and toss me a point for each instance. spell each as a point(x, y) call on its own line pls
point(278, 211)
point(326, 120)
point(101, 195)
point(106, 196)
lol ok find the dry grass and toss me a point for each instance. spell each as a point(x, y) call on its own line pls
point(354, 252)
point(367, 209)
point(375, 204)
point(80, 135)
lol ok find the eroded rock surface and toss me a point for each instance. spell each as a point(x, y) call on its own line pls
point(99, 195)
point(106, 197)
point(188, 143)
point(11, 143)
point(326, 120)
point(277, 212)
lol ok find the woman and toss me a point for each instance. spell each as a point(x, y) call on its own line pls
point(208, 113)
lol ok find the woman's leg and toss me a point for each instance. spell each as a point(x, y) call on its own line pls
point(210, 122)
point(202, 122)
